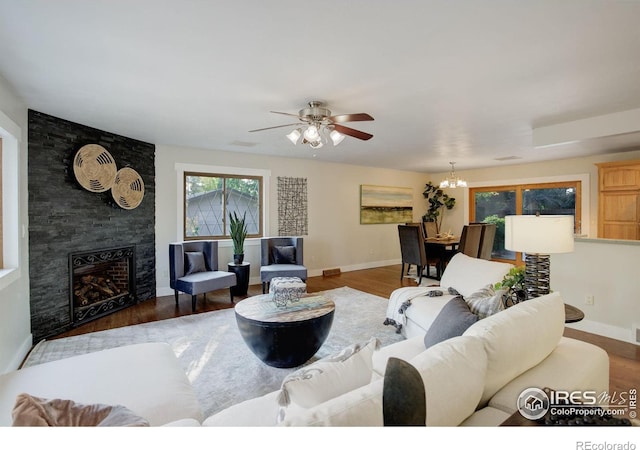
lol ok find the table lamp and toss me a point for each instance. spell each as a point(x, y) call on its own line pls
point(538, 236)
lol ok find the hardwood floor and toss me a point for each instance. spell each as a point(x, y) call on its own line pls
point(624, 357)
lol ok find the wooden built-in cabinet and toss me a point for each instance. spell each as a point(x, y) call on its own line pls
point(619, 200)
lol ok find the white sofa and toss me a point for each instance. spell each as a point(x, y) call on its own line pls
point(470, 380)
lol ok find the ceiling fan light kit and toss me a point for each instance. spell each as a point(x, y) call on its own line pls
point(322, 127)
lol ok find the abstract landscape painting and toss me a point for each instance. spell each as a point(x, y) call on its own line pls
point(385, 204)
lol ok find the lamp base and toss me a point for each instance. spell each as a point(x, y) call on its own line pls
point(536, 274)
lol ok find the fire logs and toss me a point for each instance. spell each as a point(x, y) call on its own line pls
point(90, 289)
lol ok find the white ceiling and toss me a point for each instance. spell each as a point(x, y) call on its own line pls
point(462, 81)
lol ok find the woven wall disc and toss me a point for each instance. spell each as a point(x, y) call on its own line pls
point(94, 168)
point(128, 188)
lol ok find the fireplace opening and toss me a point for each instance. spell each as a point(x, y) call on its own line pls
point(102, 282)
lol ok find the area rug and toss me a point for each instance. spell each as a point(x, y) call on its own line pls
point(221, 368)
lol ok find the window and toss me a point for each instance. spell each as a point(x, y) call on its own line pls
point(210, 198)
point(491, 204)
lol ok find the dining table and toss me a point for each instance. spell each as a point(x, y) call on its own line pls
point(442, 248)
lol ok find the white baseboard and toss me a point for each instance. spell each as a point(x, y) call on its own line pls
point(603, 329)
point(22, 352)
point(367, 265)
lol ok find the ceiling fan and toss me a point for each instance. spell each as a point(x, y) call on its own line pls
point(318, 123)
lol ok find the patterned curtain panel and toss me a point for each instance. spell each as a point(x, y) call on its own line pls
point(292, 206)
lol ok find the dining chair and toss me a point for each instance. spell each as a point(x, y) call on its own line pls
point(470, 239)
point(486, 240)
point(413, 249)
point(430, 229)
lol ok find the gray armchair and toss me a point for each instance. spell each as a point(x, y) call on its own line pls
point(281, 257)
point(193, 269)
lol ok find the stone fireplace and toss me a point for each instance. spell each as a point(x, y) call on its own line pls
point(65, 217)
point(101, 282)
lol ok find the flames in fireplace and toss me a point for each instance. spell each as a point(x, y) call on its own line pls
point(101, 282)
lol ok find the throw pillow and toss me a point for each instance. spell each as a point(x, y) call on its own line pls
point(404, 400)
point(486, 302)
point(328, 377)
point(284, 254)
point(194, 263)
point(30, 411)
point(453, 320)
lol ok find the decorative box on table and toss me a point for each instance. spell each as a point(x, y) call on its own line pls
point(286, 289)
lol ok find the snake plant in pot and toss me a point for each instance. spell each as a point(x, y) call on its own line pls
point(238, 231)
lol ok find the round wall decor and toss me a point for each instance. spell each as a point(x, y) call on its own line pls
point(128, 188)
point(94, 168)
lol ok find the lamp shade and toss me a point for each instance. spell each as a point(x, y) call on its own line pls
point(294, 136)
point(539, 234)
point(336, 137)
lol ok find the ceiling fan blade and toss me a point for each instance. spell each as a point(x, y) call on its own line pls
point(278, 126)
point(350, 118)
point(353, 133)
point(284, 113)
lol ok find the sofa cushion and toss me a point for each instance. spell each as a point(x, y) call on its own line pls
point(361, 407)
point(453, 373)
point(255, 412)
point(405, 349)
point(468, 275)
point(486, 302)
point(518, 338)
point(573, 365)
point(328, 377)
point(453, 320)
point(486, 417)
point(30, 411)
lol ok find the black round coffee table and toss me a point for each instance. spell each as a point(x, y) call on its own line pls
point(284, 337)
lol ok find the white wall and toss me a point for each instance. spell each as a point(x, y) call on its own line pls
point(335, 240)
point(607, 270)
point(15, 322)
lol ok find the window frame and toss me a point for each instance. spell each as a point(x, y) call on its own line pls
point(13, 231)
point(519, 188)
point(180, 168)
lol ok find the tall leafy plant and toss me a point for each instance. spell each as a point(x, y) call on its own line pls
point(439, 202)
point(238, 230)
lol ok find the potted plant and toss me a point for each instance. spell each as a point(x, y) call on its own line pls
point(513, 284)
point(238, 231)
point(437, 201)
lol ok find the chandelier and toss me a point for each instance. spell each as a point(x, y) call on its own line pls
point(316, 135)
point(452, 181)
